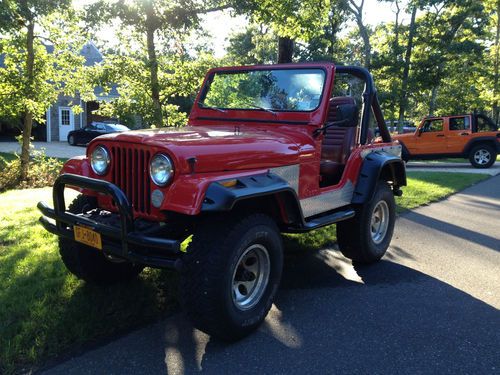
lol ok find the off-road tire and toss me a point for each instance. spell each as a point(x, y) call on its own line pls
point(209, 269)
point(71, 140)
point(354, 236)
point(90, 264)
point(487, 151)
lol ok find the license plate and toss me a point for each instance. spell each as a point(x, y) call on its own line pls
point(87, 236)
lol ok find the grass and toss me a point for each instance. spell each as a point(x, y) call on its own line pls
point(45, 311)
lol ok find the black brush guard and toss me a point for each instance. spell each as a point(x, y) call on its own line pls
point(123, 242)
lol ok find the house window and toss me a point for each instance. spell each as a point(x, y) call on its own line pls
point(65, 117)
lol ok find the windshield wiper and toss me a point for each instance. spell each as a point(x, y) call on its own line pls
point(263, 109)
point(213, 108)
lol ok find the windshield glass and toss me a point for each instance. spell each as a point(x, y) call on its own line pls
point(117, 127)
point(276, 90)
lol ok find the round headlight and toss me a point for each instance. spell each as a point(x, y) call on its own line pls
point(161, 169)
point(99, 160)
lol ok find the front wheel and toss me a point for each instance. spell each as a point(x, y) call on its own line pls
point(71, 140)
point(482, 156)
point(366, 237)
point(231, 273)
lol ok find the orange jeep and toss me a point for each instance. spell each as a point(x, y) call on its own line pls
point(473, 136)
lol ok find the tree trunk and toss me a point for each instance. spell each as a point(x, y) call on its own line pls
point(367, 47)
point(432, 103)
point(496, 66)
point(28, 116)
point(153, 64)
point(403, 102)
point(285, 50)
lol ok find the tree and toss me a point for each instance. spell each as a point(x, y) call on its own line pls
point(41, 49)
point(291, 20)
point(403, 101)
point(356, 10)
point(149, 20)
point(448, 32)
point(257, 44)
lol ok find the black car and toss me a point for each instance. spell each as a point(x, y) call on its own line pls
point(95, 129)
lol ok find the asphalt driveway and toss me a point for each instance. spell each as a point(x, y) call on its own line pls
point(430, 306)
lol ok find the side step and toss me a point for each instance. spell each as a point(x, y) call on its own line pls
point(323, 221)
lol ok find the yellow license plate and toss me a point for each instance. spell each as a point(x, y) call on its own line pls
point(87, 236)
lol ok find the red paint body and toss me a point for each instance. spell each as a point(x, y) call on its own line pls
point(226, 145)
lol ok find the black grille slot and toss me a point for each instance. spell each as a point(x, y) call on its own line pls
point(130, 168)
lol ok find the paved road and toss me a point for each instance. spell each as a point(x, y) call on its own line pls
point(54, 149)
point(430, 306)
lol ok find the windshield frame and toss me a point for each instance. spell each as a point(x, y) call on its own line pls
point(211, 76)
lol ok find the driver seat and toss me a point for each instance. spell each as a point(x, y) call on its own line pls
point(338, 141)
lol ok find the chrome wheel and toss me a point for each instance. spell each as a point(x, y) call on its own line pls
point(379, 221)
point(250, 277)
point(482, 156)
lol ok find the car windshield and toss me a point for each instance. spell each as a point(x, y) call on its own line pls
point(117, 127)
point(273, 90)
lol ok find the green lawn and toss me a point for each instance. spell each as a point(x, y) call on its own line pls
point(45, 311)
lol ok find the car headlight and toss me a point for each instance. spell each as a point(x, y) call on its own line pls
point(161, 169)
point(99, 160)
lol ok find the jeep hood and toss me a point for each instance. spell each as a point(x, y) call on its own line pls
point(221, 148)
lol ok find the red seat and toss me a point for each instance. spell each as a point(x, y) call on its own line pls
point(338, 141)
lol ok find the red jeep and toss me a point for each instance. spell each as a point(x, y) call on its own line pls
point(267, 150)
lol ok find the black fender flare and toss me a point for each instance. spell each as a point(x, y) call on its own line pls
point(378, 165)
point(493, 141)
point(220, 198)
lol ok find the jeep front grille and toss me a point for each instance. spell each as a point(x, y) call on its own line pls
point(130, 172)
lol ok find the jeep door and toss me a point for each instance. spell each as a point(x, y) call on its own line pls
point(458, 133)
point(431, 138)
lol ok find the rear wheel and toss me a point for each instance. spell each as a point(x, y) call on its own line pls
point(482, 156)
point(88, 263)
point(366, 237)
point(231, 273)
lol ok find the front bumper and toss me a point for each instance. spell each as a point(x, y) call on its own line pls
point(123, 242)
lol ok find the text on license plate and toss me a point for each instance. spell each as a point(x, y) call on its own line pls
point(87, 237)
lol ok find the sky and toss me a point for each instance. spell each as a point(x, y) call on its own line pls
point(221, 24)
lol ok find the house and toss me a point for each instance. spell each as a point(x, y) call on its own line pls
point(60, 117)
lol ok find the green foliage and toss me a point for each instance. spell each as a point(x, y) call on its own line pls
point(58, 66)
point(153, 82)
point(256, 45)
point(178, 77)
point(43, 172)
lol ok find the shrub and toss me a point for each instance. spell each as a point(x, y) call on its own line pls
point(42, 172)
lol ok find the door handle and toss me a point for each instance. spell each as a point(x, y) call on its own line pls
point(464, 133)
point(440, 135)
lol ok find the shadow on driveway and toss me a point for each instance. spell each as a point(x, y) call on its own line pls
point(330, 317)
